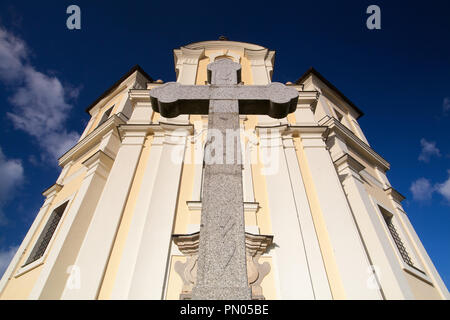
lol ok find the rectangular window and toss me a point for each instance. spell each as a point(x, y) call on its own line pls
point(105, 116)
point(396, 237)
point(46, 234)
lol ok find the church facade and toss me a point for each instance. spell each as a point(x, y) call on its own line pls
point(322, 220)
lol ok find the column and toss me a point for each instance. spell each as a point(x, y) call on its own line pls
point(289, 251)
point(153, 254)
point(96, 247)
point(393, 283)
point(349, 253)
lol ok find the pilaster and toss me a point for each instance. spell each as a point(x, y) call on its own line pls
point(186, 64)
point(151, 259)
point(142, 107)
point(388, 274)
point(96, 247)
point(316, 265)
point(131, 250)
point(291, 262)
point(349, 253)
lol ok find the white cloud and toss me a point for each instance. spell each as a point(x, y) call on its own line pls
point(6, 257)
point(12, 53)
point(446, 105)
point(422, 189)
point(444, 188)
point(11, 173)
point(40, 101)
point(57, 144)
point(429, 149)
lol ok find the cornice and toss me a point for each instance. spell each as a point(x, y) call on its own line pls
point(279, 128)
point(155, 127)
point(53, 189)
point(91, 139)
point(335, 126)
point(256, 55)
point(99, 156)
point(350, 161)
point(187, 55)
point(296, 129)
point(220, 44)
point(308, 97)
point(139, 95)
point(177, 126)
point(397, 196)
point(141, 128)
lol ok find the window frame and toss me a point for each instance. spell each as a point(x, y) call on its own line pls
point(418, 270)
point(28, 267)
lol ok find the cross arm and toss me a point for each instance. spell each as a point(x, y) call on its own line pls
point(173, 99)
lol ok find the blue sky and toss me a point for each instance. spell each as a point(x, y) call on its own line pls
point(399, 76)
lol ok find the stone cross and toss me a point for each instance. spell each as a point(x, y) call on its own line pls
point(222, 270)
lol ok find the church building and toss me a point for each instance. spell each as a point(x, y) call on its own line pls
point(124, 219)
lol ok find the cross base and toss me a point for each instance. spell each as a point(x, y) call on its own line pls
point(215, 293)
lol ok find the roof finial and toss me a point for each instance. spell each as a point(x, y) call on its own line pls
point(223, 38)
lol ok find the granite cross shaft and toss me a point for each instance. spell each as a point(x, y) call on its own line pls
point(222, 269)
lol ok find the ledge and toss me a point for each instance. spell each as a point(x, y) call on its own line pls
point(54, 188)
point(91, 139)
point(308, 97)
point(397, 196)
point(139, 95)
point(98, 156)
point(256, 244)
point(335, 126)
point(307, 129)
point(352, 162)
point(28, 267)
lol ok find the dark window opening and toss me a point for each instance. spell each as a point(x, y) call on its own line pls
point(398, 241)
point(105, 116)
point(339, 115)
point(46, 235)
